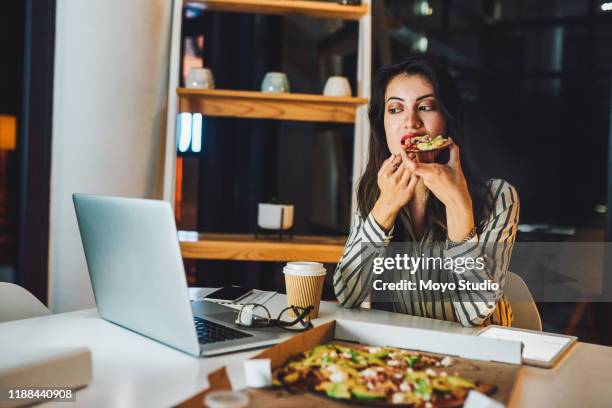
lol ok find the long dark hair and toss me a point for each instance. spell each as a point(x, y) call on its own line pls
point(449, 102)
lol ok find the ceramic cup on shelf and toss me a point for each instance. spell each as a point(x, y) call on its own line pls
point(337, 86)
point(200, 78)
point(275, 82)
point(275, 216)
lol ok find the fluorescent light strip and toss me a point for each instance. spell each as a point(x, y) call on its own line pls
point(184, 132)
point(196, 133)
point(606, 6)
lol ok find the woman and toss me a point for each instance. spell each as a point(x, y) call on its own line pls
point(434, 210)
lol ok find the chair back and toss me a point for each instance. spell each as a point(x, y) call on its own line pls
point(17, 303)
point(524, 309)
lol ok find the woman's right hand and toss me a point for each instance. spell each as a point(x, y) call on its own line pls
point(397, 184)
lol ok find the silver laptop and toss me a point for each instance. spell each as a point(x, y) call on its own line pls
point(134, 261)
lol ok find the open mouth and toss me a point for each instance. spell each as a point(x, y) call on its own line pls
point(409, 136)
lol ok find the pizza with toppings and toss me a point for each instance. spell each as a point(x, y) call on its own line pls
point(377, 376)
point(423, 148)
point(424, 143)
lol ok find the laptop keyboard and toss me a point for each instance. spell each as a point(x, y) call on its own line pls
point(209, 332)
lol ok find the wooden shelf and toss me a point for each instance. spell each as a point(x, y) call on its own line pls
point(244, 247)
point(266, 105)
point(316, 9)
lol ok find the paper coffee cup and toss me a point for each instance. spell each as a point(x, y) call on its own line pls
point(304, 284)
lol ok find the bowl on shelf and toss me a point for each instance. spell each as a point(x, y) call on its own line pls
point(337, 86)
point(275, 216)
point(200, 78)
point(276, 82)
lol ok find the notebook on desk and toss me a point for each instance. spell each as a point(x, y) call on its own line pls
point(539, 349)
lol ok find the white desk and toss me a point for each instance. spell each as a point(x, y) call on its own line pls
point(130, 370)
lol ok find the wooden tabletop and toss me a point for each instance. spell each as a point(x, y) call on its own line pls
point(246, 247)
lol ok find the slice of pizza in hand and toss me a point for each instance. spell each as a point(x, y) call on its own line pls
point(424, 149)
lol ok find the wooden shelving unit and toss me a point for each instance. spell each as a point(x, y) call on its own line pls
point(258, 105)
point(264, 105)
point(316, 9)
point(244, 247)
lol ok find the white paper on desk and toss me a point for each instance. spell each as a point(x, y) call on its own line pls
point(258, 372)
point(257, 296)
point(237, 377)
point(476, 399)
point(254, 373)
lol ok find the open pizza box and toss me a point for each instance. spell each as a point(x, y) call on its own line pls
point(493, 361)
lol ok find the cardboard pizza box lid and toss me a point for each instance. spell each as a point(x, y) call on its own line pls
point(498, 362)
point(452, 344)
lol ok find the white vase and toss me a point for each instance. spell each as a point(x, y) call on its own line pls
point(275, 216)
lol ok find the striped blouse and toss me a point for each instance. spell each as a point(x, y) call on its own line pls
point(354, 274)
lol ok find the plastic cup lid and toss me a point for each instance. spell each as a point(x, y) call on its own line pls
point(304, 268)
point(226, 399)
point(301, 265)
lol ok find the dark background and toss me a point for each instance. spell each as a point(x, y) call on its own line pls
point(12, 21)
point(27, 48)
point(535, 79)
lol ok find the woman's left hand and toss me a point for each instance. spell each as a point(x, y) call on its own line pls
point(448, 184)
